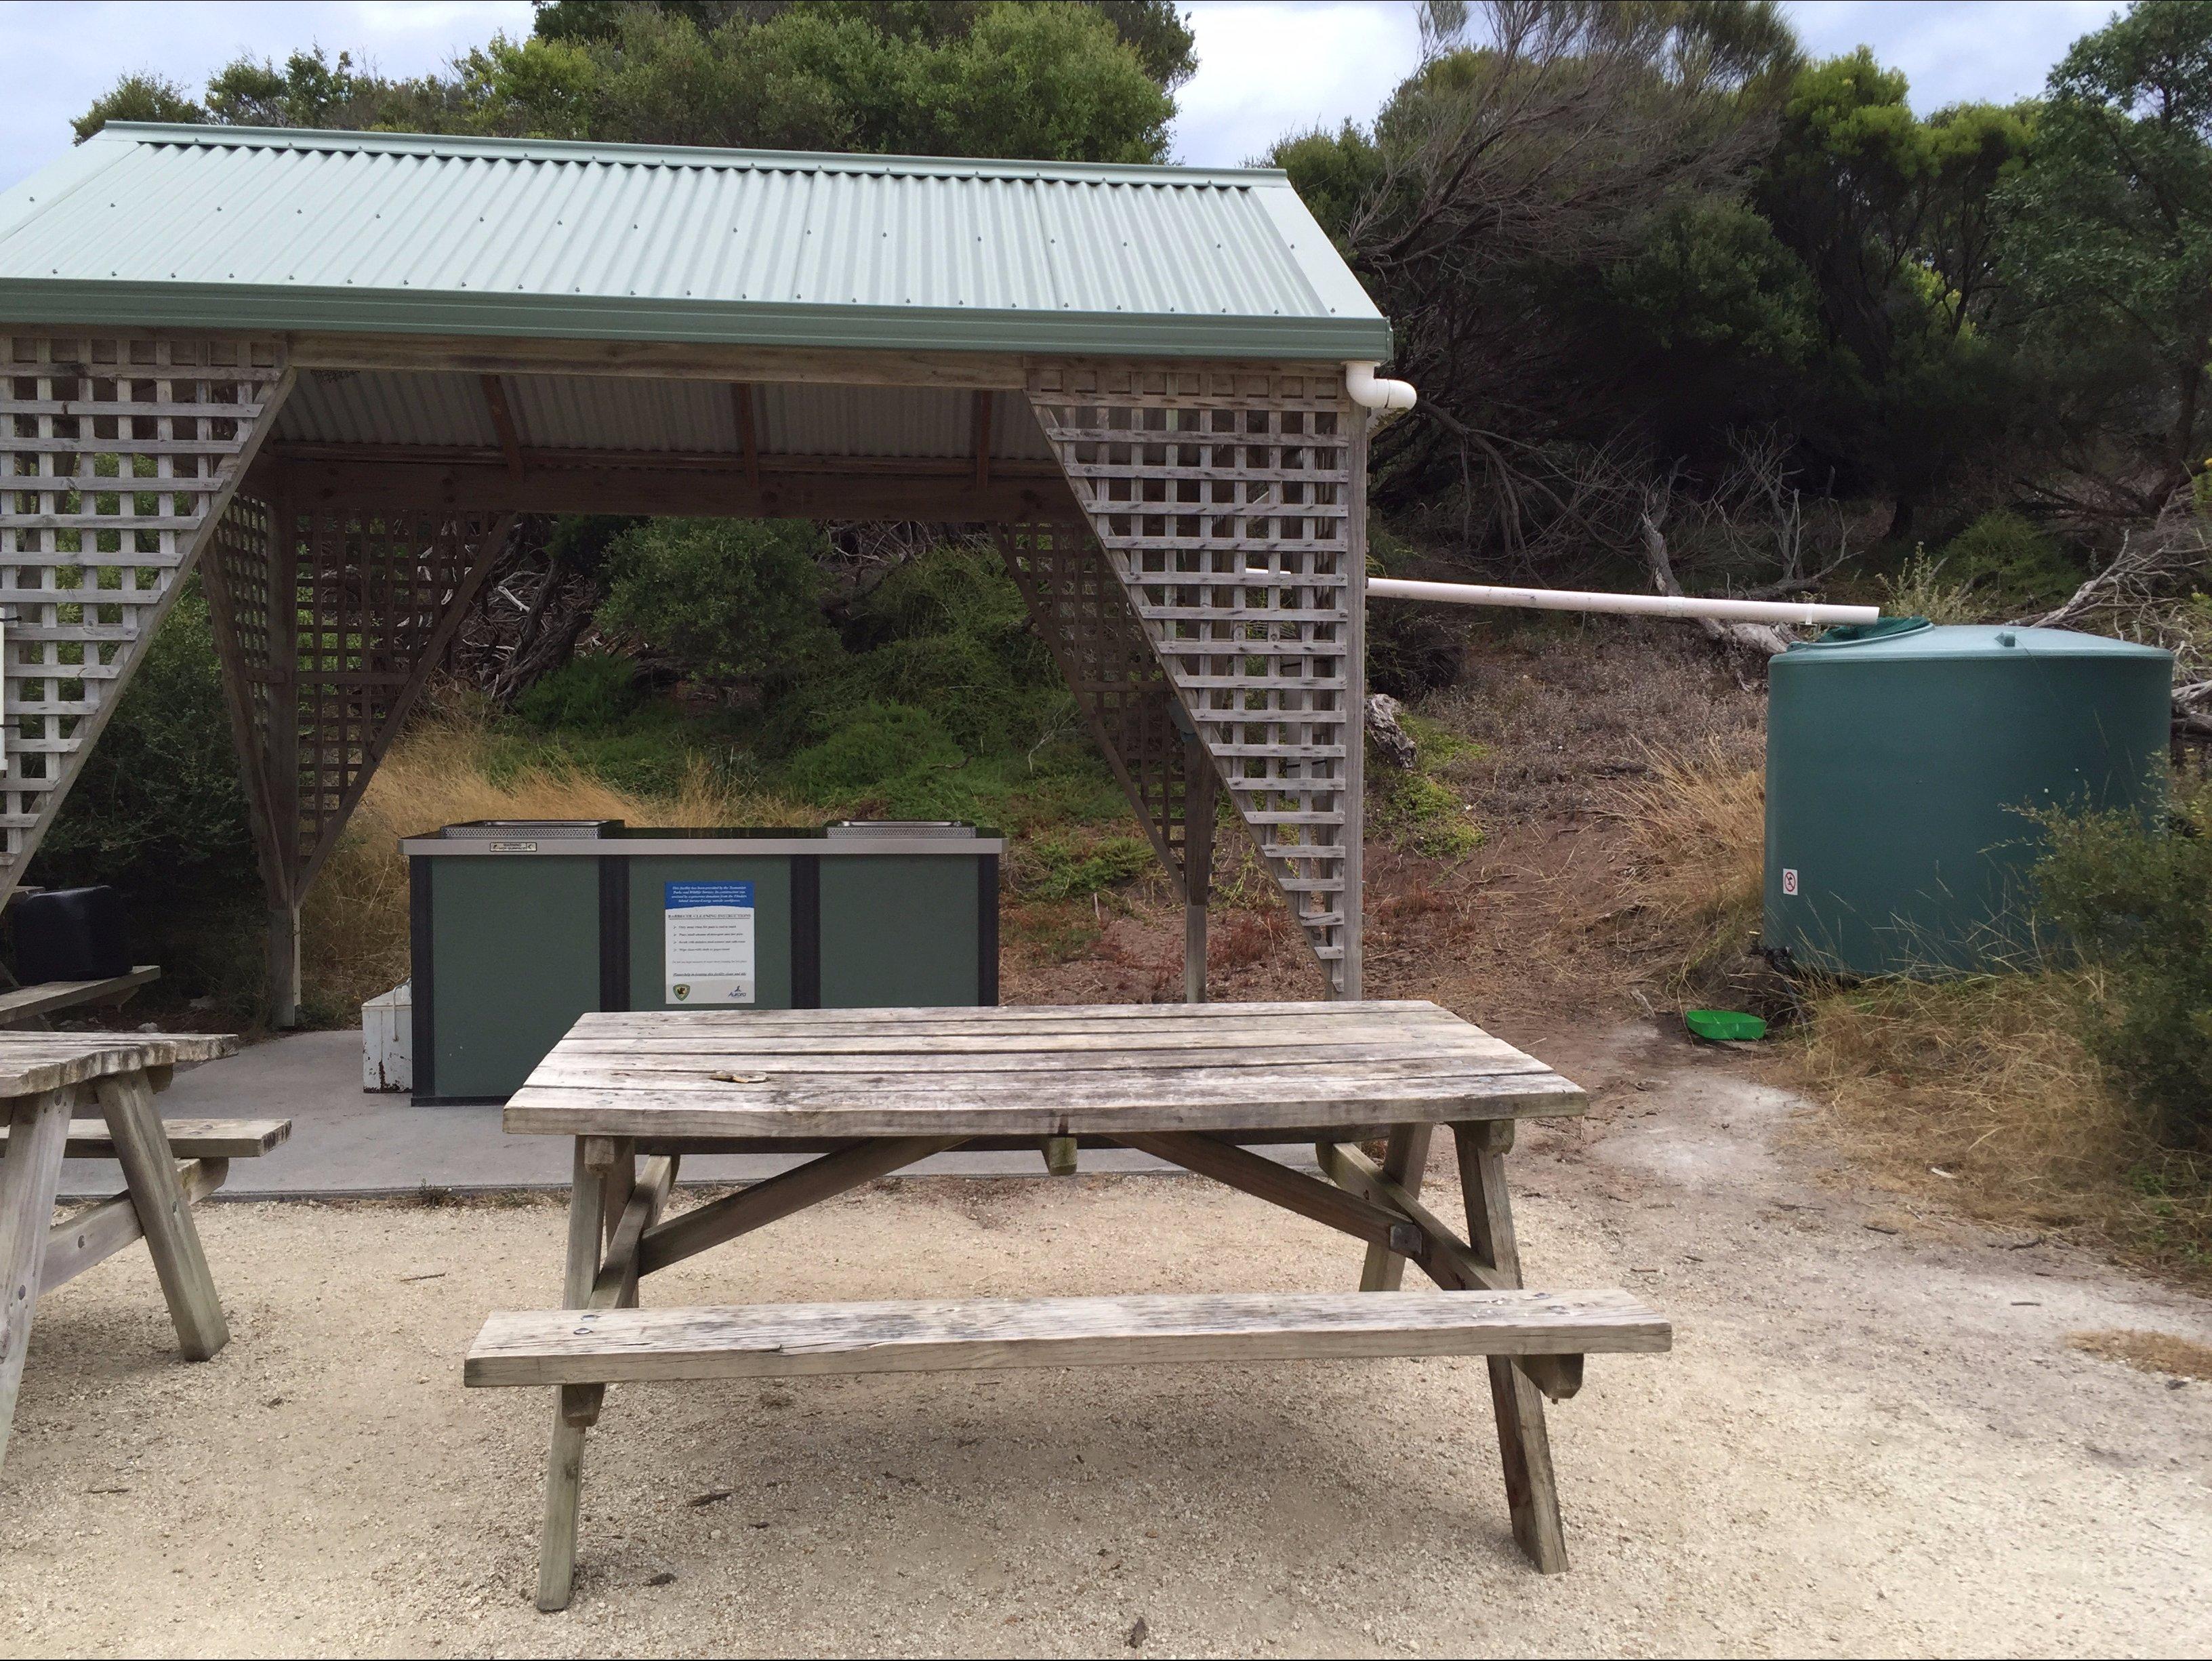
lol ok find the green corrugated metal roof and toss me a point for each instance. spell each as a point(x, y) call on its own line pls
point(248, 227)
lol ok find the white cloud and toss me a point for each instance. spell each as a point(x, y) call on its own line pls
point(59, 56)
point(1267, 69)
point(1953, 52)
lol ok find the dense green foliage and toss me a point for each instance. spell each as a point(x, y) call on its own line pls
point(159, 798)
point(1614, 238)
point(731, 599)
point(2137, 904)
point(1057, 81)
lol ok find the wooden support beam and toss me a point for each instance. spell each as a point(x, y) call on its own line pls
point(1441, 1254)
point(723, 492)
point(766, 1202)
point(981, 439)
point(97, 1233)
point(1293, 1190)
point(660, 360)
point(616, 1284)
point(741, 406)
point(502, 421)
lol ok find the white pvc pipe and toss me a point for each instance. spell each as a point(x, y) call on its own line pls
point(1658, 605)
point(1363, 388)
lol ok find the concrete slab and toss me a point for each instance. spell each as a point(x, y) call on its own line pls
point(350, 1142)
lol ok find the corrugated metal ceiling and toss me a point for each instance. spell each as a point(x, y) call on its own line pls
point(580, 412)
point(233, 227)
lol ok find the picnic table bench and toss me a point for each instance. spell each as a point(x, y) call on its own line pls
point(875, 1090)
point(44, 1078)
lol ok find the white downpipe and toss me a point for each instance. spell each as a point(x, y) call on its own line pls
point(1657, 606)
point(1362, 387)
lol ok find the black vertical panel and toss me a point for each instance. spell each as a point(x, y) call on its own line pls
point(806, 931)
point(614, 931)
point(422, 1037)
point(987, 929)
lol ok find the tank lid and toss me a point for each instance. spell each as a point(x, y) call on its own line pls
point(1917, 637)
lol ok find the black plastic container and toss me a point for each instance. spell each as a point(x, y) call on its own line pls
point(71, 934)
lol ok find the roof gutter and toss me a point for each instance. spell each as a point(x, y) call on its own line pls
point(1363, 388)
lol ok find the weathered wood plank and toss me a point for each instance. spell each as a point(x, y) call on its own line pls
point(99, 1232)
point(189, 1139)
point(31, 1063)
point(863, 1105)
point(149, 1173)
point(572, 1413)
point(778, 1196)
point(1045, 1015)
point(1442, 1255)
point(24, 1003)
point(1277, 1183)
point(27, 1178)
point(790, 1340)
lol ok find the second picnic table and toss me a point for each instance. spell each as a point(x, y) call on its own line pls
point(874, 1090)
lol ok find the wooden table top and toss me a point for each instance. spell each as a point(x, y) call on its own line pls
point(31, 1063)
point(1063, 1070)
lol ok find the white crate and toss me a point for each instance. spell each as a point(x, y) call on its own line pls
point(387, 1038)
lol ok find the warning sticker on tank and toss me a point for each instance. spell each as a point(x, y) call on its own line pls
point(706, 943)
point(1789, 879)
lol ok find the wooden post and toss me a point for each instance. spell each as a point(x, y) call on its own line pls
point(1405, 1162)
point(564, 1460)
point(165, 1213)
point(38, 1132)
point(1524, 1446)
point(1353, 979)
point(1198, 800)
point(284, 759)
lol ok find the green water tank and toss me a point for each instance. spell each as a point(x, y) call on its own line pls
point(1901, 760)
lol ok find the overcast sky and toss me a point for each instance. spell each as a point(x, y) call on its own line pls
point(1264, 69)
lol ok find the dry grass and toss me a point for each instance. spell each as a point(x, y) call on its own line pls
point(1698, 817)
point(1975, 1091)
point(1980, 1092)
point(441, 772)
point(2149, 1351)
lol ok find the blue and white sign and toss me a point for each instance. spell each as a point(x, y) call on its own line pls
point(707, 944)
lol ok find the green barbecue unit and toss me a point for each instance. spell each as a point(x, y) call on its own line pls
point(518, 927)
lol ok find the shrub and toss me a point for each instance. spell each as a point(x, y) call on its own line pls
point(588, 694)
point(891, 756)
point(2009, 565)
point(729, 599)
point(159, 800)
point(2135, 901)
point(1062, 868)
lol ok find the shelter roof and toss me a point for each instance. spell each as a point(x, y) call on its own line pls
point(238, 228)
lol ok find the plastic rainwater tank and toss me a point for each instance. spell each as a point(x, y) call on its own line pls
point(1899, 758)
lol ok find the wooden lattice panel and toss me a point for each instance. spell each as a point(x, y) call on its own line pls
point(1077, 605)
point(117, 454)
point(1224, 498)
point(362, 605)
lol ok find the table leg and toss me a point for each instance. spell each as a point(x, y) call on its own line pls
point(564, 1461)
point(30, 1171)
point(1405, 1161)
point(165, 1214)
point(1524, 1447)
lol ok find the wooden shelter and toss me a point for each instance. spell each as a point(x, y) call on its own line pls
point(327, 370)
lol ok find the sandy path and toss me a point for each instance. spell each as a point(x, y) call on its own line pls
point(1864, 1442)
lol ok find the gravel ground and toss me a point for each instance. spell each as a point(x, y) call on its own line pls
point(1866, 1441)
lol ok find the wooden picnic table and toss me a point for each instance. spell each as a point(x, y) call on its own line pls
point(44, 1078)
point(875, 1090)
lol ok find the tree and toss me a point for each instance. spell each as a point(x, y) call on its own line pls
point(1524, 160)
point(1061, 81)
point(2111, 249)
point(1895, 220)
